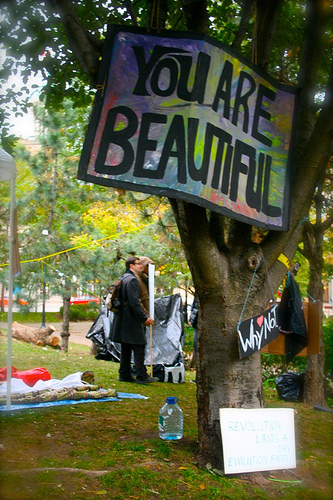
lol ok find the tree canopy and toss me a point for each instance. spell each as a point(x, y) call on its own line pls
point(76, 234)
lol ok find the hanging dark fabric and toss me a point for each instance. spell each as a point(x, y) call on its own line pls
point(291, 319)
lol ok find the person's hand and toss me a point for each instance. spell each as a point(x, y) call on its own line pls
point(148, 322)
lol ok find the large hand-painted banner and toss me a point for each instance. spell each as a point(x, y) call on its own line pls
point(179, 115)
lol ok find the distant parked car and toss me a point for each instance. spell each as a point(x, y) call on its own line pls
point(84, 299)
point(21, 301)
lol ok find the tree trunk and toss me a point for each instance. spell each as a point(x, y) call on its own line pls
point(314, 384)
point(223, 381)
point(313, 235)
point(221, 284)
point(2, 305)
point(65, 325)
point(38, 336)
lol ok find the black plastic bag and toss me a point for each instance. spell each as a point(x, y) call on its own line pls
point(290, 386)
point(168, 333)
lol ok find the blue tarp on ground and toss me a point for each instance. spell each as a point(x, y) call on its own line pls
point(121, 395)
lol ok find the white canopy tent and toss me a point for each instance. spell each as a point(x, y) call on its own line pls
point(8, 174)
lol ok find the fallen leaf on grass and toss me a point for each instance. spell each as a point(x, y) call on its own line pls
point(154, 491)
point(202, 487)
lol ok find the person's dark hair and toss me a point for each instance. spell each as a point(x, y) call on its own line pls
point(130, 260)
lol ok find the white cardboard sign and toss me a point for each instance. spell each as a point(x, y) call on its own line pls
point(151, 281)
point(258, 439)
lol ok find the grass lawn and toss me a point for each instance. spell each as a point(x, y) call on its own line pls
point(112, 450)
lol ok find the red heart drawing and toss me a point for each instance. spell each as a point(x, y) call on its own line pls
point(260, 320)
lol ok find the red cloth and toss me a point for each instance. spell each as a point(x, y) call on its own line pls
point(29, 377)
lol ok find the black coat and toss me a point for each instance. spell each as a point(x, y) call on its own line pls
point(127, 324)
point(194, 313)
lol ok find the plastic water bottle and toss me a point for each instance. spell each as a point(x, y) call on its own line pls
point(170, 420)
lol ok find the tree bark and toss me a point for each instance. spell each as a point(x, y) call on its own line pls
point(65, 325)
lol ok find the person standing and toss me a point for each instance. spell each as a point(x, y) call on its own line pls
point(128, 326)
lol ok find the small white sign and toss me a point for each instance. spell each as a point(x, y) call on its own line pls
point(258, 439)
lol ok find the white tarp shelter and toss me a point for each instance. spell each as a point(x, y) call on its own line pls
point(8, 174)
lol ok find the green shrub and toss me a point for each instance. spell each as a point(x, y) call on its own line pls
point(273, 365)
point(32, 317)
point(82, 312)
point(188, 347)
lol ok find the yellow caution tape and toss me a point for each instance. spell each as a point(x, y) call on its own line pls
point(282, 258)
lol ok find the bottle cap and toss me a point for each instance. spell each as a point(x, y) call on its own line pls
point(172, 400)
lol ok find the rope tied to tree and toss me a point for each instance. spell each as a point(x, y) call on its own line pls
point(261, 258)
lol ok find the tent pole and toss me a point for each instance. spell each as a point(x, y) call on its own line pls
point(10, 294)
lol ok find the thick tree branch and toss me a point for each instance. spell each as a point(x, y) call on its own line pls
point(157, 14)
point(196, 16)
point(217, 229)
point(239, 234)
point(131, 12)
point(316, 18)
point(327, 223)
point(267, 16)
point(199, 245)
point(79, 39)
point(246, 16)
point(313, 164)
